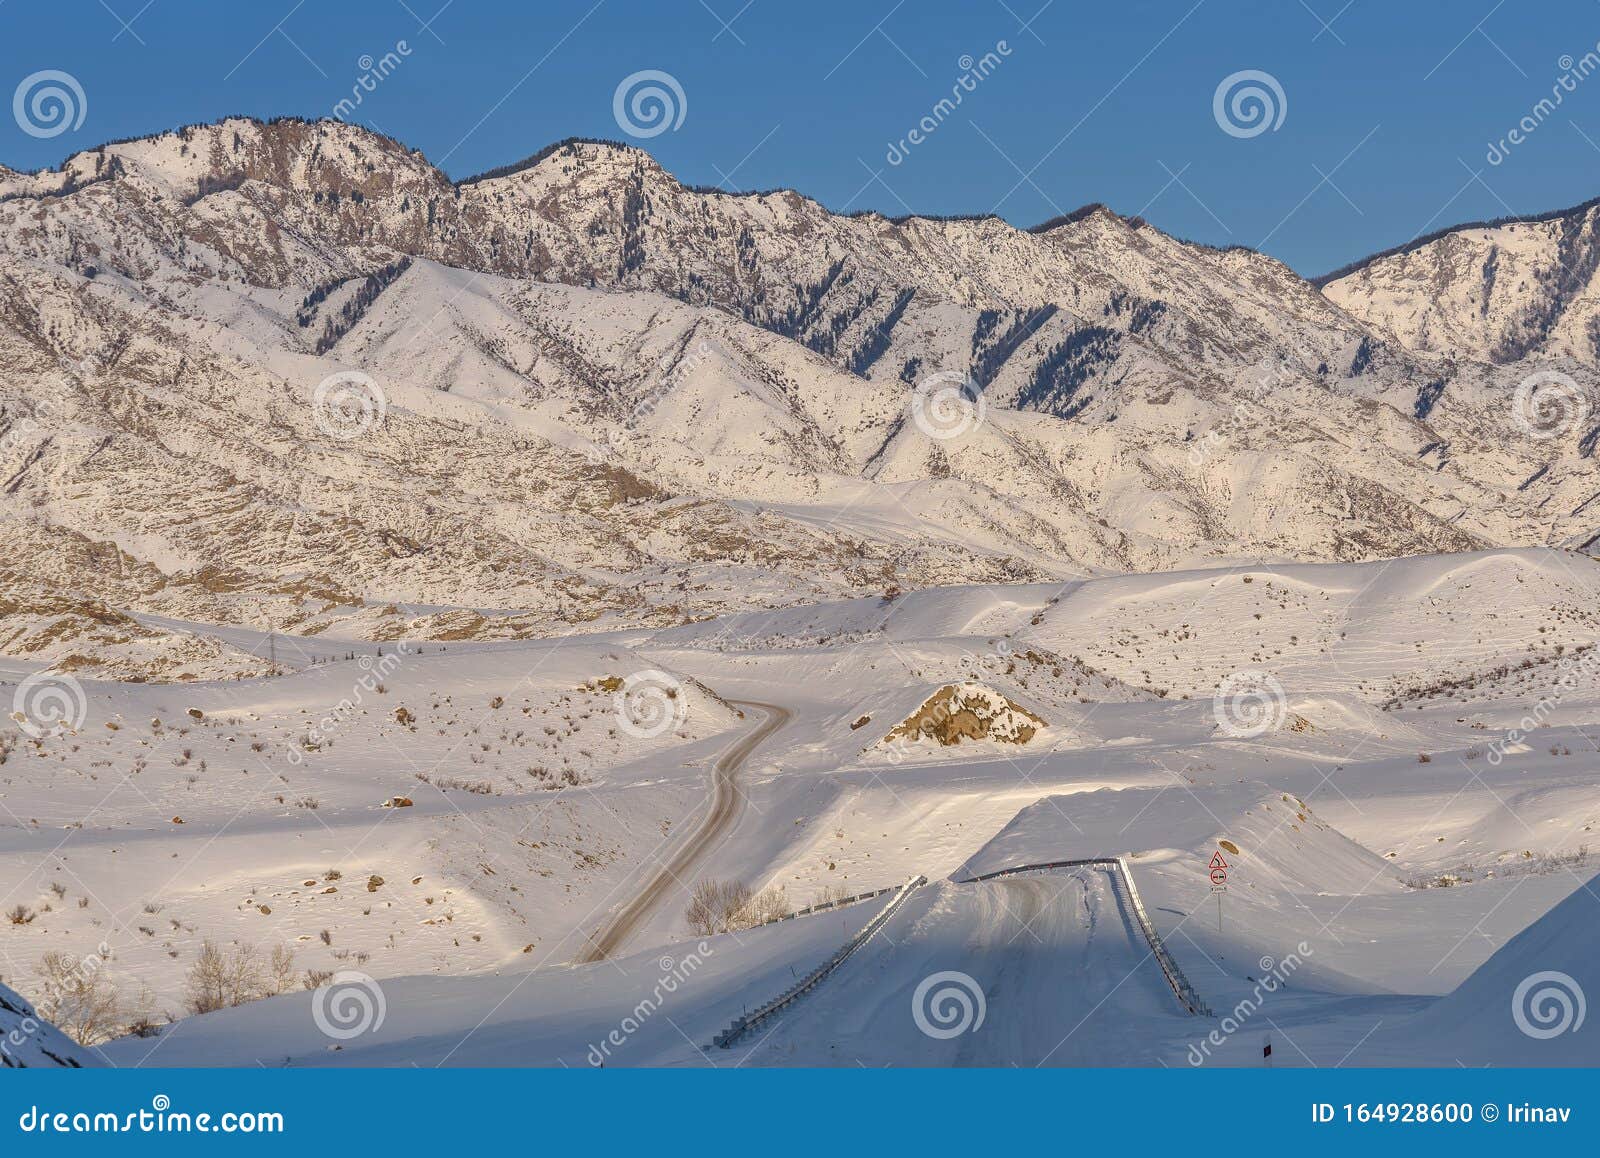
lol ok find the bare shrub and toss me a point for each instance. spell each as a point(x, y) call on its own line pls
point(714, 905)
point(76, 996)
point(280, 969)
point(769, 904)
point(220, 979)
point(829, 895)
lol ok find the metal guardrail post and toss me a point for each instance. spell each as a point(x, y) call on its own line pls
point(811, 980)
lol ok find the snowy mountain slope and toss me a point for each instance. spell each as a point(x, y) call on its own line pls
point(1501, 292)
point(593, 396)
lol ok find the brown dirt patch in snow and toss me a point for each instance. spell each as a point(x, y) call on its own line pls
point(953, 714)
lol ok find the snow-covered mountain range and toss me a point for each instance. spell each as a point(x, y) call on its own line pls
point(289, 376)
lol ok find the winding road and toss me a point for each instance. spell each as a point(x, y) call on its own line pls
point(727, 802)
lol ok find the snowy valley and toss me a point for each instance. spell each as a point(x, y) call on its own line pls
point(545, 619)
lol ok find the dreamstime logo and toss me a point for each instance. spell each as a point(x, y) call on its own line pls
point(948, 1004)
point(1248, 103)
point(1548, 1004)
point(348, 1006)
point(1577, 670)
point(1549, 404)
point(973, 73)
point(1248, 704)
point(48, 704)
point(372, 74)
point(48, 103)
point(675, 973)
point(348, 404)
point(648, 103)
point(321, 731)
point(947, 404)
point(673, 373)
point(1573, 73)
point(650, 704)
point(1245, 411)
point(1275, 975)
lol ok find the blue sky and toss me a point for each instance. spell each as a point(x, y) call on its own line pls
point(1388, 108)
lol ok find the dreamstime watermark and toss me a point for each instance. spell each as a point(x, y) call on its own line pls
point(160, 1118)
point(348, 404)
point(1275, 976)
point(1240, 415)
point(373, 73)
point(673, 372)
point(675, 972)
point(1249, 102)
point(648, 103)
point(374, 670)
point(973, 73)
point(1574, 671)
point(1549, 404)
point(948, 404)
point(997, 659)
point(348, 1006)
point(25, 428)
point(948, 1004)
point(1249, 703)
point(1573, 73)
point(49, 703)
point(1548, 1004)
point(48, 103)
point(650, 704)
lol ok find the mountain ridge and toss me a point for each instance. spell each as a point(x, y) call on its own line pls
point(601, 398)
point(513, 167)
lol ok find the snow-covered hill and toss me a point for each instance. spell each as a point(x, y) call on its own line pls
point(288, 376)
point(27, 1041)
point(1502, 291)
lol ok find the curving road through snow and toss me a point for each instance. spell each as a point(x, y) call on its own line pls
point(727, 802)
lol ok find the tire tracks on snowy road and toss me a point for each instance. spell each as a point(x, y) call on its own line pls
point(726, 803)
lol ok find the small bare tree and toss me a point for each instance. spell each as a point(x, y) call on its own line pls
point(220, 979)
point(769, 904)
point(78, 998)
point(714, 905)
point(281, 970)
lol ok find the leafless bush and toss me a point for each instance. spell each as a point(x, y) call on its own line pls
point(714, 905)
point(220, 979)
point(78, 998)
point(829, 895)
point(769, 904)
point(280, 969)
point(446, 783)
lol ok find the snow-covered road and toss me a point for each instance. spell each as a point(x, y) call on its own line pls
point(1046, 969)
point(726, 803)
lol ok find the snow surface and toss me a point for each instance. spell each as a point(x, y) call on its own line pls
point(1394, 832)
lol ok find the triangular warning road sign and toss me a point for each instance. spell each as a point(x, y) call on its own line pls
point(1217, 862)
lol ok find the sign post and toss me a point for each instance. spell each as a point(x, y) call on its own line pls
point(1219, 881)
